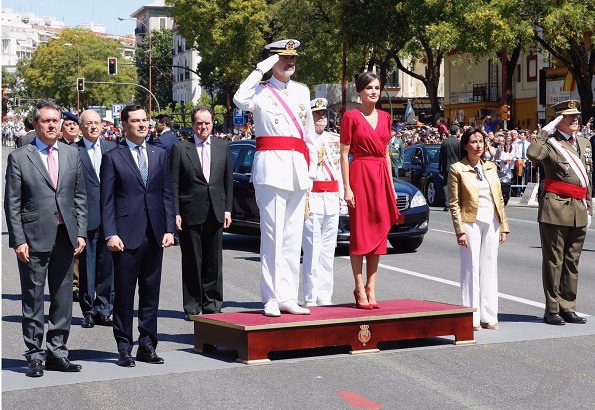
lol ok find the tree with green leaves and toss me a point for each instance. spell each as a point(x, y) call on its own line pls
point(55, 66)
point(161, 68)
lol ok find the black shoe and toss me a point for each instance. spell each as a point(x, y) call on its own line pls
point(553, 319)
point(62, 365)
point(187, 317)
point(148, 355)
point(35, 368)
point(103, 320)
point(88, 321)
point(572, 317)
point(125, 359)
point(76, 296)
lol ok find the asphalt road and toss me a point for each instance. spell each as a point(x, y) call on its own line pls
point(526, 364)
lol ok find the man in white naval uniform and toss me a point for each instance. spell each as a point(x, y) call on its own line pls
point(320, 229)
point(284, 130)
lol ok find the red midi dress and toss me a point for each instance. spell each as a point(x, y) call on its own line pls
point(375, 209)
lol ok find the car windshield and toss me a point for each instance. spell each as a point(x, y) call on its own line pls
point(433, 154)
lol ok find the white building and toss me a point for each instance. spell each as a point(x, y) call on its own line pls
point(186, 85)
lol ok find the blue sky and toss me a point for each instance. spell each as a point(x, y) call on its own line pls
point(75, 12)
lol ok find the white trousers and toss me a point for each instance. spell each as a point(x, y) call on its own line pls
point(318, 242)
point(281, 225)
point(479, 270)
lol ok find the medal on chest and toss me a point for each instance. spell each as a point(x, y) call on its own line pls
point(589, 159)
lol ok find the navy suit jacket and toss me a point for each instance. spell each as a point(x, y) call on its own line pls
point(126, 205)
point(166, 141)
point(92, 181)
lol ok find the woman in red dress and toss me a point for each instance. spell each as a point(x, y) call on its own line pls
point(369, 191)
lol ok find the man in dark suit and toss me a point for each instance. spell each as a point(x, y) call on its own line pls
point(95, 267)
point(202, 190)
point(46, 212)
point(564, 209)
point(138, 221)
point(449, 154)
point(165, 137)
point(29, 136)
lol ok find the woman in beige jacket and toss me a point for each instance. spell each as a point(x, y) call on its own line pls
point(480, 223)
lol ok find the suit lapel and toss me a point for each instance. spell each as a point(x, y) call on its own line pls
point(35, 158)
point(124, 151)
point(151, 163)
point(86, 160)
point(192, 155)
point(63, 160)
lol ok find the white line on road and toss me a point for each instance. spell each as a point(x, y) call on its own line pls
point(440, 230)
point(457, 284)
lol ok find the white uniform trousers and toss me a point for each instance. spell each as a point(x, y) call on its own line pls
point(318, 242)
point(281, 225)
point(479, 270)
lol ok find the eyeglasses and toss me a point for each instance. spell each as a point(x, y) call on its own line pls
point(479, 176)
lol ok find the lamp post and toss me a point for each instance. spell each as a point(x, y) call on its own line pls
point(148, 30)
point(78, 71)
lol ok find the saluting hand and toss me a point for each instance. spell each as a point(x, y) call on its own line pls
point(267, 64)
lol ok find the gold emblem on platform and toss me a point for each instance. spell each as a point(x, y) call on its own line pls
point(364, 334)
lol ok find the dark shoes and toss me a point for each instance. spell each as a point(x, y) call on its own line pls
point(572, 317)
point(147, 354)
point(553, 319)
point(62, 365)
point(103, 320)
point(88, 321)
point(125, 359)
point(76, 296)
point(35, 368)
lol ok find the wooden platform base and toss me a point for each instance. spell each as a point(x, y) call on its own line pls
point(254, 336)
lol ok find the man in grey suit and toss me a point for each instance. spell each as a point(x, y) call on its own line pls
point(46, 212)
point(202, 180)
point(96, 266)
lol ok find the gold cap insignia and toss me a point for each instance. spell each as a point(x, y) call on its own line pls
point(571, 104)
point(319, 103)
point(290, 45)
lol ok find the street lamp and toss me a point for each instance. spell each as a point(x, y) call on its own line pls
point(150, 59)
point(78, 71)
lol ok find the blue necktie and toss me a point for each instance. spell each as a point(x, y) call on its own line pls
point(142, 165)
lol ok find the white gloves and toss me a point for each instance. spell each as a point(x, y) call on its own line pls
point(551, 126)
point(267, 64)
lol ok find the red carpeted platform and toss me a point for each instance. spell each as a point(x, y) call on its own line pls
point(254, 335)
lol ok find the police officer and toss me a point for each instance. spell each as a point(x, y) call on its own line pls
point(284, 153)
point(564, 209)
point(324, 202)
point(395, 150)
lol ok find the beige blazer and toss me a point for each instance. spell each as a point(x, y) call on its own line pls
point(463, 190)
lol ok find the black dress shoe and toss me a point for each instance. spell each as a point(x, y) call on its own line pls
point(147, 354)
point(103, 320)
point(76, 296)
point(125, 359)
point(88, 321)
point(187, 317)
point(62, 365)
point(35, 368)
point(553, 319)
point(572, 317)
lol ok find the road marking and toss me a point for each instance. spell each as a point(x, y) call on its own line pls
point(357, 401)
point(440, 230)
point(458, 285)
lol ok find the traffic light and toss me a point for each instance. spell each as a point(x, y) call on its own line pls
point(506, 112)
point(80, 84)
point(112, 66)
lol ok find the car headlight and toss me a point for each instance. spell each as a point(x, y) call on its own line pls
point(418, 200)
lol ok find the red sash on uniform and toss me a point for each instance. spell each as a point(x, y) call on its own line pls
point(283, 144)
point(565, 189)
point(325, 186)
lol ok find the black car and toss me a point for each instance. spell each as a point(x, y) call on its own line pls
point(420, 168)
point(245, 216)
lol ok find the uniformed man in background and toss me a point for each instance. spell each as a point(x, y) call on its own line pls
point(281, 171)
point(320, 229)
point(564, 209)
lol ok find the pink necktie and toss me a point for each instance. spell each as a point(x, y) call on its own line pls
point(52, 167)
point(53, 170)
point(206, 161)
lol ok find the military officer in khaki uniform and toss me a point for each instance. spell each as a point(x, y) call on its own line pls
point(564, 209)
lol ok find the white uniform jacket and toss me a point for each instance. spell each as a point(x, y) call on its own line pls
point(328, 152)
point(277, 168)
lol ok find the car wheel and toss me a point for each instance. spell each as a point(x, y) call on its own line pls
point(406, 245)
point(432, 194)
